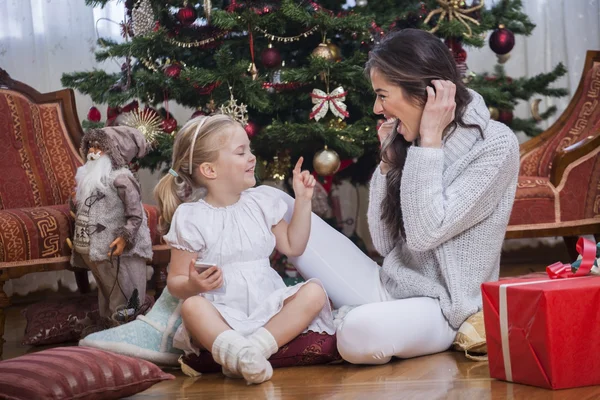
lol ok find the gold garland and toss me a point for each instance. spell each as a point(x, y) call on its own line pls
point(149, 64)
point(157, 66)
point(197, 43)
point(451, 8)
point(289, 38)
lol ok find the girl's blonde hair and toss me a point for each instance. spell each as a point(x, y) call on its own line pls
point(201, 137)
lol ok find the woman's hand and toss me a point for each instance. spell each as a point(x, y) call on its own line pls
point(208, 280)
point(383, 133)
point(303, 182)
point(438, 113)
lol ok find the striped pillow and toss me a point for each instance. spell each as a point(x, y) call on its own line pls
point(76, 372)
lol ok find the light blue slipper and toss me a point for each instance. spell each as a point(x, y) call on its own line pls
point(149, 337)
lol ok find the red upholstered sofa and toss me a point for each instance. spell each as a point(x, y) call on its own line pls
point(558, 192)
point(39, 156)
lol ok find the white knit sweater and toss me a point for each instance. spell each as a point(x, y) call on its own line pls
point(456, 202)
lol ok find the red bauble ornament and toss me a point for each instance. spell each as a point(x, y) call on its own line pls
point(197, 113)
point(186, 15)
point(173, 70)
point(502, 40)
point(506, 117)
point(169, 125)
point(94, 115)
point(460, 56)
point(270, 58)
point(252, 129)
point(453, 44)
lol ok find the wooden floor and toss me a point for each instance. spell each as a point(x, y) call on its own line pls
point(446, 375)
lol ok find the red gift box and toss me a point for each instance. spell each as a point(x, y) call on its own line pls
point(544, 332)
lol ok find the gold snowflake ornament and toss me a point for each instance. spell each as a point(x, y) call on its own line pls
point(146, 121)
point(239, 112)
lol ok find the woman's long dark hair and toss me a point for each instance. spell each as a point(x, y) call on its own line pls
point(411, 59)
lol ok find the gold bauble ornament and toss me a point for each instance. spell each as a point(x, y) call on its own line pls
point(336, 52)
point(494, 113)
point(326, 162)
point(323, 51)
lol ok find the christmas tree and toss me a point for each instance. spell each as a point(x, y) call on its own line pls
point(291, 71)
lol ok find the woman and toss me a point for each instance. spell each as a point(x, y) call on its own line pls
point(439, 205)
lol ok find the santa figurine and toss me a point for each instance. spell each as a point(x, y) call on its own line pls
point(111, 236)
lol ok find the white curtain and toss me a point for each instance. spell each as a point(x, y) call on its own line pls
point(42, 39)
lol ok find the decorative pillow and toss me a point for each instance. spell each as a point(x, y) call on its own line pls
point(79, 373)
point(58, 321)
point(307, 349)
point(55, 321)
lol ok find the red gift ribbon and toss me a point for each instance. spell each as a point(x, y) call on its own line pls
point(587, 249)
point(328, 98)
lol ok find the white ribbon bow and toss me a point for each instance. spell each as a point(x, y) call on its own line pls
point(323, 102)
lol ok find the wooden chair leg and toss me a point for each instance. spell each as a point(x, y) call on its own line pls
point(4, 303)
point(160, 279)
point(81, 277)
point(571, 243)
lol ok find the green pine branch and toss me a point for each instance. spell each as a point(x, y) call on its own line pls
point(525, 88)
point(509, 14)
point(349, 143)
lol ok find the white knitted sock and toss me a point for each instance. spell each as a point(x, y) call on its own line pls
point(226, 348)
point(263, 340)
point(237, 355)
point(254, 366)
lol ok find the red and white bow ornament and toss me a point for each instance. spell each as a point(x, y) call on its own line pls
point(323, 102)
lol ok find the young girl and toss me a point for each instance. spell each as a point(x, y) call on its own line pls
point(214, 215)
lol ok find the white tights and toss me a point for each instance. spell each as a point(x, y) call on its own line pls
point(381, 327)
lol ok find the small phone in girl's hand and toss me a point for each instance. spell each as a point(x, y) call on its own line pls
point(201, 267)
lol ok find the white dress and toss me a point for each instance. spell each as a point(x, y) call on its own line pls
point(238, 239)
